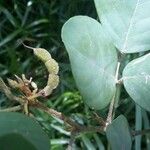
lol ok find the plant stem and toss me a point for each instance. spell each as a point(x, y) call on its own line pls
point(76, 128)
point(115, 99)
point(138, 126)
point(117, 72)
point(99, 119)
point(140, 132)
point(12, 109)
point(111, 107)
point(110, 112)
point(146, 126)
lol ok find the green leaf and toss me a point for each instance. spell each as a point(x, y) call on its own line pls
point(127, 22)
point(136, 78)
point(38, 22)
point(93, 60)
point(9, 16)
point(118, 134)
point(9, 37)
point(21, 132)
point(99, 142)
point(89, 145)
point(15, 142)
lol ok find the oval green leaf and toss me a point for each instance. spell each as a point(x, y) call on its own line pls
point(18, 131)
point(93, 60)
point(127, 22)
point(136, 79)
point(118, 134)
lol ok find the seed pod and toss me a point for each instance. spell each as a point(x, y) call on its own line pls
point(53, 81)
point(46, 91)
point(52, 66)
point(41, 53)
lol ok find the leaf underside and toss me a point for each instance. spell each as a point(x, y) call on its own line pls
point(127, 22)
point(136, 78)
point(118, 134)
point(21, 132)
point(93, 60)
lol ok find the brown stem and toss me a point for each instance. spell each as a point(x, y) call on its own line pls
point(12, 109)
point(99, 119)
point(76, 128)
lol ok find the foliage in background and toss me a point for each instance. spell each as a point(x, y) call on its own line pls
point(38, 23)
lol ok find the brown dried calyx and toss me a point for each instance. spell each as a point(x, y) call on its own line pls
point(28, 89)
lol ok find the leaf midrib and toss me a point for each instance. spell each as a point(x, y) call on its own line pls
point(130, 27)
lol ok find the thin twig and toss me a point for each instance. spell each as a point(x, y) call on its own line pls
point(56, 114)
point(76, 128)
point(11, 109)
point(99, 119)
point(110, 112)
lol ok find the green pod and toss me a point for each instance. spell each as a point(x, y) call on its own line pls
point(42, 54)
point(47, 91)
point(53, 81)
point(52, 66)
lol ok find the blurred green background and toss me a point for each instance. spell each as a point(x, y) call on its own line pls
point(38, 23)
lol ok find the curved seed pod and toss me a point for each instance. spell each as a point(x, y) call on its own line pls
point(46, 91)
point(45, 56)
point(41, 53)
point(53, 81)
point(52, 66)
